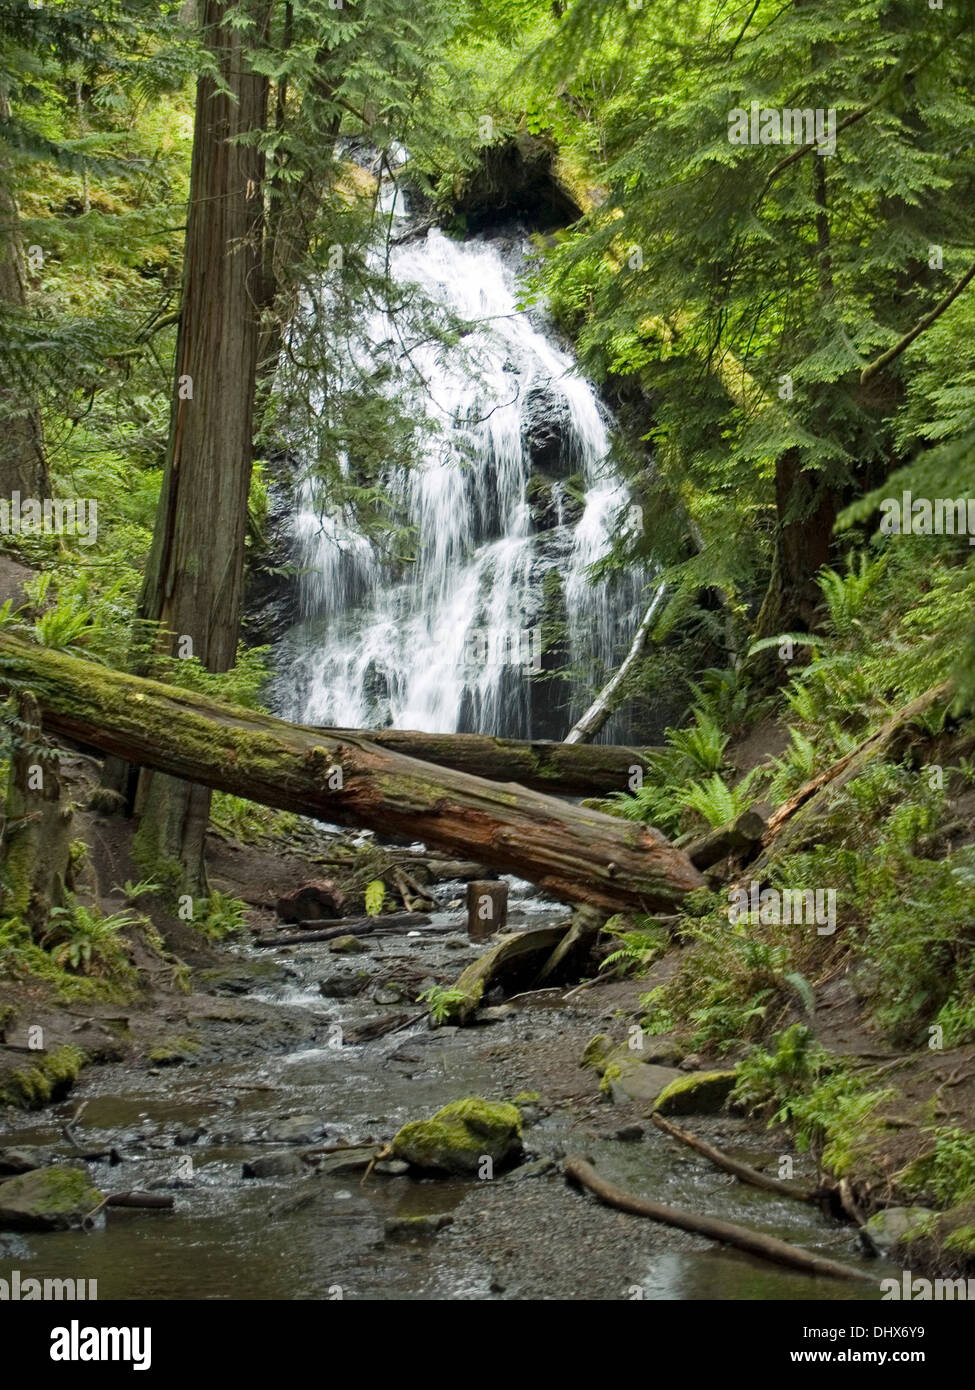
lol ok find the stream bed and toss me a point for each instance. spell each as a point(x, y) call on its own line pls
point(269, 1072)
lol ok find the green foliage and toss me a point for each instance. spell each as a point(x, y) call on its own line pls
point(945, 1176)
point(800, 1084)
point(703, 744)
point(83, 940)
point(250, 822)
point(638, 948)
point(223, 915)
point(375, 897)
point(718, 802)
point(441, 1001)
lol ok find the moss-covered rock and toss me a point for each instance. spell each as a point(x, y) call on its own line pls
point(698, 1093)
point(626, 1073)
point(347, 946)
point(460, 1135)
point(898, 1226)
point(47, 1199)
point(48, 1078)
point(596, 1052)
point(173, 1052)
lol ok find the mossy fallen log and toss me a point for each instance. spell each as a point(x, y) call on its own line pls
point(508, 953)
point(573, 853)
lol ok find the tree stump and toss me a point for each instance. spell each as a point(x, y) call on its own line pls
point(487, 908)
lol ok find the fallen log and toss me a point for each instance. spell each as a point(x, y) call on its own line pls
point(796, 817)
point(586, 924)
point(142, 1201)
point(578, 1170)
point(573, 853)
point(354, 926)
point(563, 769)
point(510, 951)
point(743, 1171)
point(743, 833)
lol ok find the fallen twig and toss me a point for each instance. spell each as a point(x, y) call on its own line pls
point(743, 1171)
point(579, 1170)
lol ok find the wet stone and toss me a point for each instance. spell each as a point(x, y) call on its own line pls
point(298, 1129)
point(284, 1164)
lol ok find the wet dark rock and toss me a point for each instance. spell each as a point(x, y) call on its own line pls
point(188, 1135)
point(391, 993)
point(22, 1160)
point(546, 434)
point(311, 902)
point(412, 1227)
point(343, 985)
point(495, 1013)
point(629, 1134)
point(516, 177)
point(283, 1164)
point(297, 1129)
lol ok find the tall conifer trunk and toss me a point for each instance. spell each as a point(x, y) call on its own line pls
point(23, 460)
point(194, 578)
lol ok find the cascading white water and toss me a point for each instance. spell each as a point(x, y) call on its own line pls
point(451, 646)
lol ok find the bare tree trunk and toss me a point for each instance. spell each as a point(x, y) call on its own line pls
point(194, 580)
point(606, 702)
point(23, 462)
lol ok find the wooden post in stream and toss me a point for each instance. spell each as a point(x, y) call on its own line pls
point(487, 908)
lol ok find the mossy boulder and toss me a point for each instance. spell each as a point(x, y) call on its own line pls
point(898, 1226)
point(460, 1136)
point(347, 945)
point(173, 1052)
point(47, 1199)
point(698, 1093)
point(39, 1082)
point(626, 1072)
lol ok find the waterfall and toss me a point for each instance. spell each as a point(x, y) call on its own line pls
point(512, 499)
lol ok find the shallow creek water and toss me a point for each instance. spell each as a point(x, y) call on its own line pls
point(190, 1128)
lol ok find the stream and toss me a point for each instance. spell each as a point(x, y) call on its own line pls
point(272, 1076)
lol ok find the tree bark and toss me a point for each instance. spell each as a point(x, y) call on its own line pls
point(35, 846)
point(194, 579)
point(23, 460)
point(572, 853)
point(806, 508)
